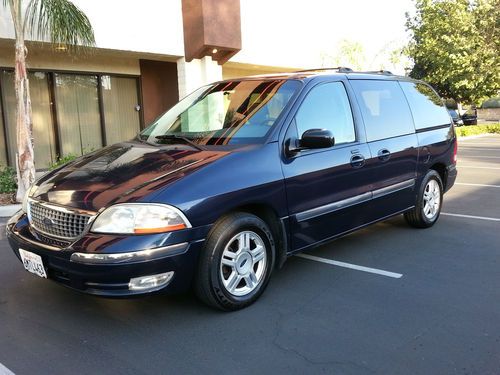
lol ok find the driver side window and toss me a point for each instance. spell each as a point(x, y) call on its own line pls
point(327, 106)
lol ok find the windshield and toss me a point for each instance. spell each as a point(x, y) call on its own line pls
point(236, 112)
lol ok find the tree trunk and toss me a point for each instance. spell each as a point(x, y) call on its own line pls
point(25, 153)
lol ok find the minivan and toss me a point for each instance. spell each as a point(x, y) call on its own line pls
point(238, 176)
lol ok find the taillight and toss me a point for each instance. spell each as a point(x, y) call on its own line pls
point(455, 149)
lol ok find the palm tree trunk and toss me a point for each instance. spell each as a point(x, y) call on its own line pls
point(25, 154)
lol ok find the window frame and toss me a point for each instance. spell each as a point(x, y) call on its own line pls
point(397, 82)
point(291, 126)
point(51, 82)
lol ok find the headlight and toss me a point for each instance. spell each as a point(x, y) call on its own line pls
point(140, 218)
point(28, 194)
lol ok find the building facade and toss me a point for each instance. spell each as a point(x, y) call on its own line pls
point(144, 61)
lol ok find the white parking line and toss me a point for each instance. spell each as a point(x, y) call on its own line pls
point(481, 185)
point(475, 167)
point(480, 156)
point(480, 144)
point(471, 216)
point(5, 371)
point(475, 148)
point(351, 266)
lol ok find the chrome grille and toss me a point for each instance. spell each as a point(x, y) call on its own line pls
point(57, 221)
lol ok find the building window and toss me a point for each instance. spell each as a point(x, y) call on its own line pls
point(71, 113)
point(43, 129)
point(121, 106)
point(77, 104)
point(3, 144)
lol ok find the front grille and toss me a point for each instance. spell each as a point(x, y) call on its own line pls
point(57, 221)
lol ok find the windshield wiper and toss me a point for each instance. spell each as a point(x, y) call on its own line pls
point(177, 137)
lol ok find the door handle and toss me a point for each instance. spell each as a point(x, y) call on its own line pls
point(384, 154)
point(357, 161)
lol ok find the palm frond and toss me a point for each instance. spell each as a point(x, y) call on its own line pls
point(59, 22)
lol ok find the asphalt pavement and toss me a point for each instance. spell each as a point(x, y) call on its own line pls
point(388, 299)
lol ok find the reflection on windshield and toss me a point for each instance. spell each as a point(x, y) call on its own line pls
point(236, 112)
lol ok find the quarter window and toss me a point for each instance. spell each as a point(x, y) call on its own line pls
point(327, 107)
point(384, 108)
point(426, 106)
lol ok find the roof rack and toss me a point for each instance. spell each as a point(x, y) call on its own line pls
point(384, 72)
point(340, 69)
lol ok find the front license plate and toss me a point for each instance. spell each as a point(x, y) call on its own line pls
point(33, 263)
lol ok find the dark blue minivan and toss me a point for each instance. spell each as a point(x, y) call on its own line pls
point(218, 191)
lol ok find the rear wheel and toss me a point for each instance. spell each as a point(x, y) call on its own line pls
point(236, 262)
point(429, 202)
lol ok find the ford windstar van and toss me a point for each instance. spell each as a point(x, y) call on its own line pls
point(218, 191)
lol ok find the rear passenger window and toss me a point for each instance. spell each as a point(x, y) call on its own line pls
point(326, 106)
point(384, 108)
point(426, 106)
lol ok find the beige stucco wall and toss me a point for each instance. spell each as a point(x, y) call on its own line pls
point(92, 61)
point(235, 70)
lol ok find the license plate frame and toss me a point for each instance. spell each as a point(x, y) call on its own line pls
point(33, 263)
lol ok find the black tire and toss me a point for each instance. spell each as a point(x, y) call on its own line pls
point(209, 284)
point(416, 216)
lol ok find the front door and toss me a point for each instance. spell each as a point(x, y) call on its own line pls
point(327, 189)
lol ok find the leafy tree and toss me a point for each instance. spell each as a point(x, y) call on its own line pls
point(56, 21)
point(455, 46)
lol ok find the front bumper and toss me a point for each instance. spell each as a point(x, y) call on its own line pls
point(176, 251)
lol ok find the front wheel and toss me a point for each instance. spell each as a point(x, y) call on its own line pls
point(236, 262)
point(429, 202)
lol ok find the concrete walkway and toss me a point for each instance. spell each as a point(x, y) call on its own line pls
point(9, 210)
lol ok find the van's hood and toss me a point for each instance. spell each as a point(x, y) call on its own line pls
point(125, 172)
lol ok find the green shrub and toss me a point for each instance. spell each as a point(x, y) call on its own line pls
point(8, 181)
point(464, 131)
point(62, 160)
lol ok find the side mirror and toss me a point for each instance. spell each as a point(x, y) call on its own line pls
point(316, 138)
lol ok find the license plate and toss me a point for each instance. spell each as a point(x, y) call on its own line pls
point(33, 263)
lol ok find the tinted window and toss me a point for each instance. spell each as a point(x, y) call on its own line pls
point(327, 107)
point(426, 106)
point(384, 108)
point(231, 112)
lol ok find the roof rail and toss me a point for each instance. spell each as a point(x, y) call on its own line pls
point(384, 72)
point(340, 69)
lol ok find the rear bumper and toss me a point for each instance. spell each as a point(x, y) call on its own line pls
point(451, 177)
point(109, 279)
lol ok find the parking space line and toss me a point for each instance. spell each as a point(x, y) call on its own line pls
point(5, 371)
point(475, 148)
point(351, 266)
point(471, 216)
point(476, 167)
point(481, 185)
point(480, 156)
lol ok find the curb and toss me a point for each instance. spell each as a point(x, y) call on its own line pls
point(9, 210)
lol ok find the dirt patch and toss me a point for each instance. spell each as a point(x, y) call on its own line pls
point(9, 198)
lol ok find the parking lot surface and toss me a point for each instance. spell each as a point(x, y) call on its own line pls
point(389, 299)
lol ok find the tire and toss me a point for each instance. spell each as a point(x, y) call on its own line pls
point(427, 208)
point(236, 262)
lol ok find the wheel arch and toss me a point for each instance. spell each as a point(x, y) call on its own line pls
point(440, 168)
point(271, 218)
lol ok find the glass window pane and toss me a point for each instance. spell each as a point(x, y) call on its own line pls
point(384, 108)
point(426, 106)
point(3, 143)
point(120, 101)
point(43, 129)
point(327, 107)
point(78, 113)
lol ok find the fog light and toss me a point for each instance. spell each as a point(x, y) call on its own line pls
point(150, 282)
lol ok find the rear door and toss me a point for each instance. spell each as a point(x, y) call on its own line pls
point(393, 144)
point(327, 189)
